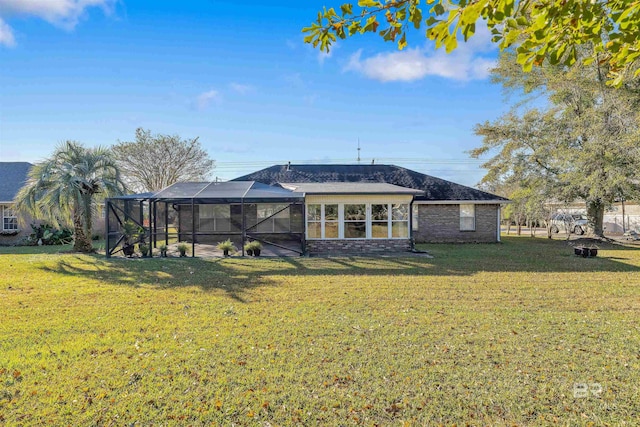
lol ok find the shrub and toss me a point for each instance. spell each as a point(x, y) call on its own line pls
point(50, 235)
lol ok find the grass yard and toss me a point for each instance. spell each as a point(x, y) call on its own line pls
point(479, 335)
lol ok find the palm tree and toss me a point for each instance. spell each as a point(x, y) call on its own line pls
point(63, 188)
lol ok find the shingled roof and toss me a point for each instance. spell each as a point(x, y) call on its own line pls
point(13, 175)
point(434, 188)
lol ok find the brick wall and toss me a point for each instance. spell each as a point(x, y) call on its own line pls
point(345, 246)
point(441, 223)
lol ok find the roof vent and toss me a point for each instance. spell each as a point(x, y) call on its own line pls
point(288, 166)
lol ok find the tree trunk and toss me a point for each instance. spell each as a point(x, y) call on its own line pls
point(81, 243)
point(595, 214)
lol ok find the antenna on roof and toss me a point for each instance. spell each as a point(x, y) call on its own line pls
point(288, 166)
point(358, 150)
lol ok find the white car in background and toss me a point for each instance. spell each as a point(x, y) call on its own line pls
point(573, 223)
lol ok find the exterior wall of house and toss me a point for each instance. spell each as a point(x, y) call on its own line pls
point(7, 237)
point(441, 223)
point(359, 246)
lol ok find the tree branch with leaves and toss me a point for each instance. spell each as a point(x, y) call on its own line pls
point(539, 30)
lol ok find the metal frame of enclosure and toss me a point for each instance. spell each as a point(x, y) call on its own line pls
point(208, 213)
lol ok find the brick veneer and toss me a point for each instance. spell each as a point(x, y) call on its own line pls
point(441, 223)
point(357, 246)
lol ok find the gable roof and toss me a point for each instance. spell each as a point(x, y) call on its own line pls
point(435, 189)
point(13, 176)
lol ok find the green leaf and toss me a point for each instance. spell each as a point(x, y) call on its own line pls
point(346, 9)
point(402, 43)
point(450, 43)
point(369, 3)
point(415, 16)
point(468, 31)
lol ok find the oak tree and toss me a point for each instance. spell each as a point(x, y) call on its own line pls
point(539, 30)
point(581, 144)
point(153, 162)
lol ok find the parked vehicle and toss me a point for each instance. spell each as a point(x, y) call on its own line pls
point(574, 223)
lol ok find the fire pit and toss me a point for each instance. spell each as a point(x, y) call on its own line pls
point(585, 252)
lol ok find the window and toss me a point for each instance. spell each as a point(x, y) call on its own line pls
point(467, 217)
point(272, 222)
point(331, 221)
point(215, 218)
point(355, 221)
point(314, 221)
point(400, 221)
point(414, 218)
point(322, 221)
point(9, 219)
point(380, 221)
point(358, 221)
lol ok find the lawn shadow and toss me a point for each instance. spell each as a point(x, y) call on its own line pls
point(236, 276)
point(161, 273)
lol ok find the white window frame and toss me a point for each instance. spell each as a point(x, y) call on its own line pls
point(5, 217)
point(369, 222)
point(464, 226)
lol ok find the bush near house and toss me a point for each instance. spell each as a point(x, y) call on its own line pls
point(519, 333)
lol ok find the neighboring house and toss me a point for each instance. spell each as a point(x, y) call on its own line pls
point(441, 211)
point(13, 176)
point(313, 209)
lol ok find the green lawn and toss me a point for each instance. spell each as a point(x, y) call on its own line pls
point(480, 334)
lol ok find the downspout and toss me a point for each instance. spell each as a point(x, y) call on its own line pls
point(412, 242)
point(303, 240)
point(498, 223)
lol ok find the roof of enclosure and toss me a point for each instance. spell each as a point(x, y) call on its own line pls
point(350, 188)
point(137, 196)
point(225, 192)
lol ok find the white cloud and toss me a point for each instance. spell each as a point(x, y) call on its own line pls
point(206, 98)
point(463, 64)
point(61, 13)
point(240, 88)
point(6, 35)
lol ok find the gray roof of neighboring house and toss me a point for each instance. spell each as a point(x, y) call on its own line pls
point(435, 189)
point(349, 188)
point(13, 176)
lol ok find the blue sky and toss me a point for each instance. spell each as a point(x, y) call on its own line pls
point(239, 78)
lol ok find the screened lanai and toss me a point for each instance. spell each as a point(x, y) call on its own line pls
point(206, 213)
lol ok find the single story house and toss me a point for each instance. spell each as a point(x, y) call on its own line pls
point(442, 211)
point(309, 209)
point(13, 176)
